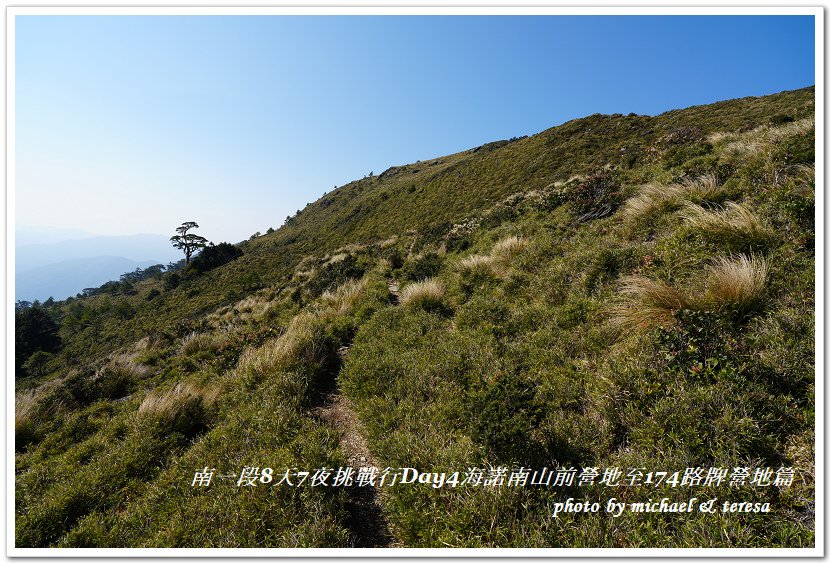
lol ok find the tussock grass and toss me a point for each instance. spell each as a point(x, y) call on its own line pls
point(736, 283)
point(122, 366)
point(146, 343)
point(730, 222)
point(651, 198)
point(655, 198)
point(339, 257)
point(341, 300)
point(25, 403)
point(648, 303)
point(426, 294)
point(498, 261)
point(281, 352)
point(182, 408)
point(299, 343)
point(509, 248)
point(477, 264)
point(759, 136)
point(203, 342)
point(706, 188)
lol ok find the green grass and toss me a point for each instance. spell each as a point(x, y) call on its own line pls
point(503, 349)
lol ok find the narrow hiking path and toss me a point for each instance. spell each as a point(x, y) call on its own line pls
point(367, 521)
point(366, 518)
point(394, 291)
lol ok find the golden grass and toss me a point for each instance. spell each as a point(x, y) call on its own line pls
point(498, 262)
point(297, 342)
point(476, 264)
point(654, 198)
point(169, 404)
point(427, 293)
point(25, 405)
point(203, 342)
point(706, 188)
point(651, 199)
point(736, 283)
point(342, 300)
point(731, 220)
point(283, 351)
point(507, 249)
point(647, 303)
point(124, 364)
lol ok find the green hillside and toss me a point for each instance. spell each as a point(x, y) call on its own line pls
point(617, 291)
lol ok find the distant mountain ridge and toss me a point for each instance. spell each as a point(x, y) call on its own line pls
point(66, 279)
point(63, 268)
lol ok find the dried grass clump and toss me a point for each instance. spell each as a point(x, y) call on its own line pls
point(283, 351)
point(203, 342)
point(145, 344)
point(118, 377)
point(736, 283)
point(339, 257)
point(758, 139)
point(182, 408)
point(498, 261)
point(706, 188)
point(477, 264)
point(25, 406)
point(652, 198)
point(426, 294)
point(342, 300)
point(509, 248)
point(728, 222)
point(648, 303)
point(125, 364)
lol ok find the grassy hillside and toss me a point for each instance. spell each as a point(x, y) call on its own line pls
point(617, 291)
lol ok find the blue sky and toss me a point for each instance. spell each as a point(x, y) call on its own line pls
point(137, 123)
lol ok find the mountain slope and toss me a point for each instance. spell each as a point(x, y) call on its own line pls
point(624, 292)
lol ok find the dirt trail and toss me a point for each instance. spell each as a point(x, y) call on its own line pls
point(366, 518)
point(394, 291)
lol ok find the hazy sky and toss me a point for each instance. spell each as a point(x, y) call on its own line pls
point(137, 123)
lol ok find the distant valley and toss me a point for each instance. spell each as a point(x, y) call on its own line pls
point(61, 263)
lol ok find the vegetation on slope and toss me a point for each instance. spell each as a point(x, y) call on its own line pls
point(618, 291)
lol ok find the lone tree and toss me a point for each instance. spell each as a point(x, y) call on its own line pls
point(188, 242)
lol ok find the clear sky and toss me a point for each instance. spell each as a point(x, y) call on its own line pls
point(134, 124)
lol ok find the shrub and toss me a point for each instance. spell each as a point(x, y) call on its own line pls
point(426, 294)
point(503, 415)
point(152, 294)
point(335, 273)
point(34, 330)
point(172, 280)
point(596, 196)
point(676, 156)
point(422, 267)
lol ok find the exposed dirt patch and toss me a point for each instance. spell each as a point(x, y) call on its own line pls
point(366, 519)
